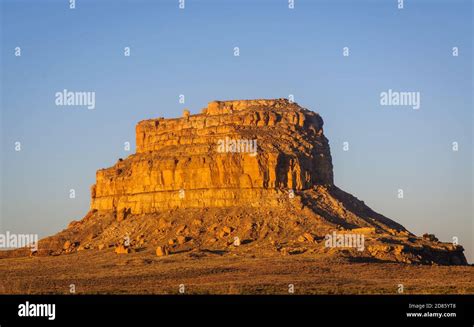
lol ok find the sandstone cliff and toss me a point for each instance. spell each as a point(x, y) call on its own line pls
point(182, 154)
point(251, 177)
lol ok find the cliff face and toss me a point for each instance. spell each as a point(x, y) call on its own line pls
point(249, 177)
point(233, 153)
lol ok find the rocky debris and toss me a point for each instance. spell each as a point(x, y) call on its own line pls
point(122, 249)
point(197, 222)
point(430, 237)
point(161, 251)
point(306, 237)
point(181, 230)
point(67, 245)
point(83, 247)
point(122, 214)
point(365, 230)
point(181, 239)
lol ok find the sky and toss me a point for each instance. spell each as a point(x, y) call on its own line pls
point(282, 51)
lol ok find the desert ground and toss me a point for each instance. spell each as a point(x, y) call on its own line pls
point(203, 272)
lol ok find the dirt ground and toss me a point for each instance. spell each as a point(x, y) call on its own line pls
point(201, 272)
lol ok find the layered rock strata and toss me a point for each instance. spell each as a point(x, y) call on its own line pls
point(233, 153)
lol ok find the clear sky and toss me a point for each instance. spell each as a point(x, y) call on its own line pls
point(282, 51)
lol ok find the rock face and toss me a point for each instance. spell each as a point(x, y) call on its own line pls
point(234, 153)
point(251, 177)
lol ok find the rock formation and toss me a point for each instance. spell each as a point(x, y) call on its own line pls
point(183, 154)
point(254, 177)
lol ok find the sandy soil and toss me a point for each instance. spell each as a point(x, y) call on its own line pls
point(204, 272)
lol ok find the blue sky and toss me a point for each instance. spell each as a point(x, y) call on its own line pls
point(282, 52)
